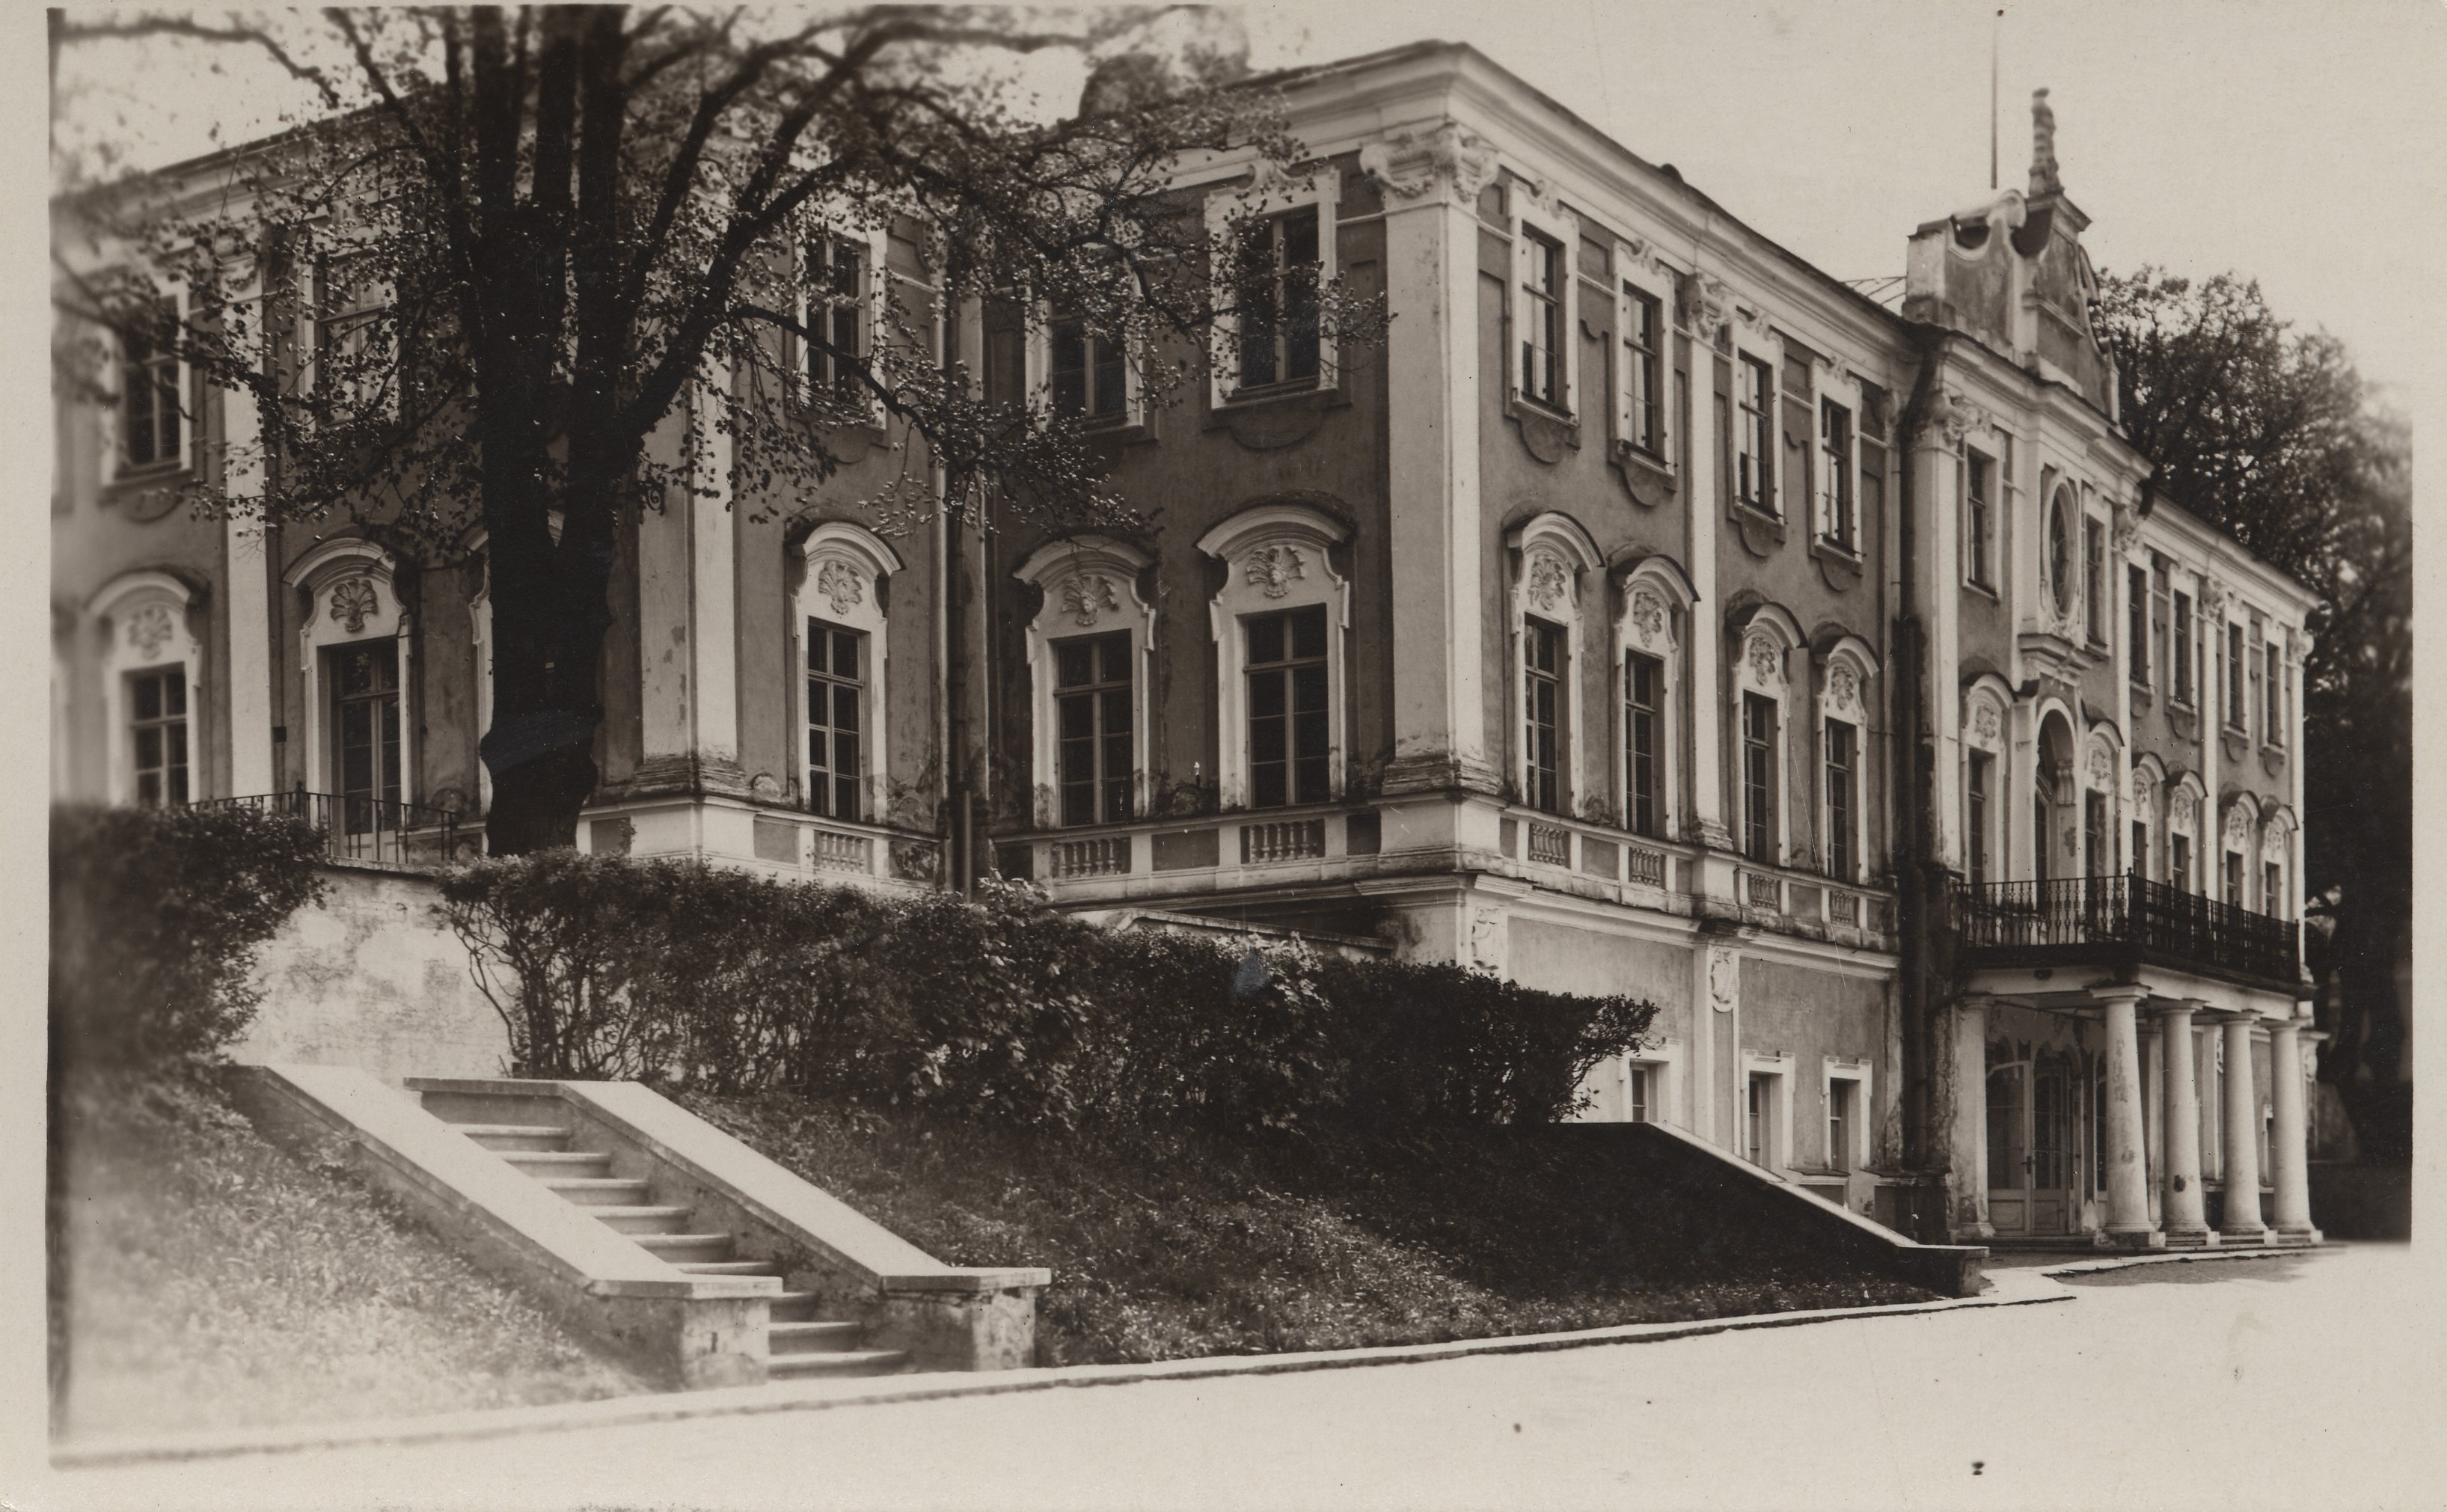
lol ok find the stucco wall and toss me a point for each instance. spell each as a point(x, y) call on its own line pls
point(371, 977)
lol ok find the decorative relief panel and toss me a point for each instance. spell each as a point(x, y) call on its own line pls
point(841, 585)
point(1724, 979)
point(1415, 165)
point(1647, 617)
point(1273, 570)
point(355, 601)
point(1767, 662)
point(1088, 596)
point(1549, 580)
point(150, 629)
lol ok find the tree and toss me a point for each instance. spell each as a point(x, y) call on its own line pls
point(2268, 433)
point(552, 253)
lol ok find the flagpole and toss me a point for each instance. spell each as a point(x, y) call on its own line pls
point(1996, 29)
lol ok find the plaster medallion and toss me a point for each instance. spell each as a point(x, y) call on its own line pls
point(1548, 580)
point(1647, 617)
point(1984, 720)
point(1765, 661)
point(354, 602)
point(839, 582)
point(2102, 768)
point(150, 629)
point(1274, 568)
point(1088, 595)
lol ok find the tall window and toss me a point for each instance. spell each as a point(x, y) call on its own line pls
point(1287, 714)
point(149, 390)
point(1755, 1118)
point(158, 701)
point(1754, 464)
point(2234, 669)
point(1980, 507)
point(1839, 1124)
point(1542, 704)
point(1088, 380)
point(1542, 322)
point(365, 696)
point(1842, 778)
point(2273, 888)
point(836, 309)
point(1278, 299)
point(1641, 366)
point(2094, 858)
point(2140, 848)
point(2179, 860)
point(2234, 878)
point(1092, 712)
point(2272, 697)
point(2039, 846)
point(1639, 1099)
point(1975, 815)
point(2138, 625)
point(1758, 777)
point(1835, 474)
point(2060, 562)
point(836, 719)
point(2094, 581)
point(1644, 680)
point(2183, 649)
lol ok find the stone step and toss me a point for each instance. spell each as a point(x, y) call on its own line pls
point(848, 1362)
point(814, 1338)
point(600, 1190)
point(509, 1136)
point(730, 1268)
point(560, 1163)
point(794, 1307)
point(647, 1218)
point(693, 1247)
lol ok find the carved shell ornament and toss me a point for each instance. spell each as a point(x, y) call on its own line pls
point(1088, 595)
point(1273, 570)
point(1765, 664)
point(150, 629)
point(1843, 686)
point(1549, 580)
point(839, 582)
point(1984, 720)
point(1647, 617)
point(2179, 811)
point(2102, 770)
point(355, 601)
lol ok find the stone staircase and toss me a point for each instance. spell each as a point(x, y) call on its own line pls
point(799, 1343)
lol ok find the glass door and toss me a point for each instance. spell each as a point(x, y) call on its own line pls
point(2009, 1147)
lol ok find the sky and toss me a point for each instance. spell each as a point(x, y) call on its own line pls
point(2297, 143)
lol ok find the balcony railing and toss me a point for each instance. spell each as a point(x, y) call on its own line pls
point(359, 828)
point(2129, 914)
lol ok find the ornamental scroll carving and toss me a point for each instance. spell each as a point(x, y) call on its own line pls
point(2102, 770)
point(2127, 528)
point(1724, 979)
point(1415, 165)
point(2238, 827)
point(1087, 596)
point(1767, 664)
point(150, 629)
point(1843, 686)
point(1273, 570)
point(839, 582)
point(1647, 617)
point(1711, 308)
point(353, 602)
point(1549, 580)
point(2274, 844)
point(2179, 809)
point(1985, 722)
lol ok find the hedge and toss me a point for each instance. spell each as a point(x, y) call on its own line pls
point(716, 980)
point(156, 914)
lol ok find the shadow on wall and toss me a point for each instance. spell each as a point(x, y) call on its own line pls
point(371, 978)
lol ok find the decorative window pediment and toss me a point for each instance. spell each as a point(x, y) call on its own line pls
point(1090, 592)
point(1277, 558)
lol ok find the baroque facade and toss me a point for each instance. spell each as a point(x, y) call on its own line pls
point(1648, 611)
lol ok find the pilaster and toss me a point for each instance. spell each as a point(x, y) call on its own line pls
point(688, 622)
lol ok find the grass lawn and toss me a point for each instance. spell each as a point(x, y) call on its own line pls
point(1166, 1246)
point(215, 1281)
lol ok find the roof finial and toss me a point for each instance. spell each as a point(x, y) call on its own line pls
point(2043, 147)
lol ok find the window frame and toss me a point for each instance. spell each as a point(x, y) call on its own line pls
point(1839, 505)
point(1104, 785)
point(1264, 192)
point(2096, 623)
point(1761, 425)
point(842, 570)
point(2236, 681)
point(1777, 1135)
point(172, 293)
point(1654, 599)
point(1276, 556)
point(1845, 698)
point(861, 682)
point(874, 242)
point(1288, 666)
point(1859, 1149)
point(171, 726)
point(1553, 559)
point(1979, 518)
point(1769, 641)
point(321, 574)
point(1537, 218)
point(1987, 694)
point(1641, 278)
point(144, 621)
point(1089, 583)
point(2137, 604)
point(2182, 621)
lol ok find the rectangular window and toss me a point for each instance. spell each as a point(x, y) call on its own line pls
point(1542, 322)
point(2136, 629)
point(1755, 460)
point(2234, 878)
point(2179, 860)
point(2094, 581)
point(151, 410)
point(836, 719)
point(1758, 777)
point(2234, 669)
point(1754, 1120)
point(1541, 694)
point(836, 310)
point(1979, 506)
point(2140, 848)
point(2272, 697)
point(1092, 730)
point(1839, 1124)
point(1287, 707)
point(1642, 364)
point(1088, 380)
point(2273, 888)
point(1278, 299)
point(1975, 817)
point(2094, 858)
point(1836, 475)
point(365, 724)
point(157, 702)
point(1841, 757)
point(2183, 649)
point(1636, 1096)
point(1643, 734)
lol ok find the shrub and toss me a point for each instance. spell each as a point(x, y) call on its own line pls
point(156, 914)
point(999, 1006)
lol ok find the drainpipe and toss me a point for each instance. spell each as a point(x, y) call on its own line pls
point(1918, 886)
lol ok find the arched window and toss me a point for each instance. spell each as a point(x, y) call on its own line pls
point(1088, 651)
point(2277, 865)
point(2184, 803)
point(1761, 705)
point(841, 658)
point(2145, 789)
point(152, 688)
point(2100, 772)
point(354, 657)
point(1657, 599)
point(1554, 555)
point(1844, 702)
point(1985, 825)
point(1279, 624)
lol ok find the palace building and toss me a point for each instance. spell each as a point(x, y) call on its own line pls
point(1646, 611)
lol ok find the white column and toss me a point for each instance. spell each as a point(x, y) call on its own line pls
point(2128, 1189)
point(2289, 1140)
point(1431, 178)
point(1967, 1140)
point(2153, 1116)
point(2242, 1135)
point(2181, 1207)
point(248, 675)
point(688, 626)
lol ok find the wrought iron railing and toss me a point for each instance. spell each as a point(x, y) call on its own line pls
point(358, 827)
point(2128, 910)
